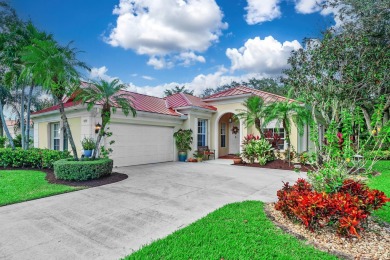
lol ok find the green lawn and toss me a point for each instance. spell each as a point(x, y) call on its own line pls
point(21, 185)
point(382, 183)
point(235, 231)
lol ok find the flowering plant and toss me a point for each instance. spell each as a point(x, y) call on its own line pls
point(347, 209)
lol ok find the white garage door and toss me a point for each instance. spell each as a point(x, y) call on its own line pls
point(141, 144)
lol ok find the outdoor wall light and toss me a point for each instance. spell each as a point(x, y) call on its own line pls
point(230, 120)
point(97, 128)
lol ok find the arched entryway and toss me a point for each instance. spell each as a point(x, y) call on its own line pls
point(229, 135)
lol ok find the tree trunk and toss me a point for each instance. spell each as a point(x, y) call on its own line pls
point(28, 117)
point(367, 119)
point(7, 133)
point(69, 133)
point(97, 146)
point(22, 129)
point(386, 117)
point(258, 126)
point(386, 111)
point(1, 129)
point(316, 141)
point(106, 115)
point(287, 140)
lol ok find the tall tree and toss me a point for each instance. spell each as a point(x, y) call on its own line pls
point(253, 113)
point(4, 96)
point(9, 24)
point(177, 89)
point(55, 68)
point(110, 96)
point(31, 34)
point(348, 67)
point(270, 85)
point(285, 113)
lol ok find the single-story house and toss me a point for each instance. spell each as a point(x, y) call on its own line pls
point(148, 137)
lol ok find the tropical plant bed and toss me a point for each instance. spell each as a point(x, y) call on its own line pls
point(374, 243)
point(279, 164)
point(50, 178)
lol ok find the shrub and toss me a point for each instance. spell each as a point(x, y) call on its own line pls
point(2, 141)
point(346, 209)
point(377, 154)
point(254, 147)
point(68, 169)
point(327, 179)
point(262, 161)
point(34, 157)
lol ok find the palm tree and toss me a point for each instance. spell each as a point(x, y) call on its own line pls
point(31, 34)
point(54, 67)
point(285, 113)
point(110, 96)
point(253, 113)
point(4, 97)
point(177, 89)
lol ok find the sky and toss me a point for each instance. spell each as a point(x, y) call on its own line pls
point(152, 45)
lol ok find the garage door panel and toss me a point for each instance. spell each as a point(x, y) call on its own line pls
point(141, 144)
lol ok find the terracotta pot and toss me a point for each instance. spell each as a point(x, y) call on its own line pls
point(237, 161)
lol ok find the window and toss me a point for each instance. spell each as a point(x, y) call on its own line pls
point(275, 136)
point(55, 136)
point(202, 132)
point(223, 134)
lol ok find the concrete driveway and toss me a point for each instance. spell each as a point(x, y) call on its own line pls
point(111, 221)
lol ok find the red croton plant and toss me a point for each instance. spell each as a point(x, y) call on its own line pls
point(346, 209)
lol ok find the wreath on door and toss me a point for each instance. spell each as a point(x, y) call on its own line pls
point(235, 130)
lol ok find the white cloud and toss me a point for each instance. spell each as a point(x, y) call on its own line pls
point(188, 58)
point(259, 11)
point(100, 73)
point(308, 6)
point(159, 63)
point(262, 56)
point(160, 28)
point(313, 6)
point(199, 83)
point(147, 77)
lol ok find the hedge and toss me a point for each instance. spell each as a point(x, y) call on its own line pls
point(68, 169)
point(31, 158)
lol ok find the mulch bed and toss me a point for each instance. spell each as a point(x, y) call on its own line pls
point(373, 244)
point(229, 156)
point(279, 164)
point(114, 177)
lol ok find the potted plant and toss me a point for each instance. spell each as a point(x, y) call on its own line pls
point(238, 159)
point(199, 156)
point(88, 144)
point(183, 140)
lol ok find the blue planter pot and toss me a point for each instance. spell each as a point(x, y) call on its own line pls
point(182, 156)
point(87, 153)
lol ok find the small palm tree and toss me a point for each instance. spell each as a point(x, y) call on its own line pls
point(110, 96)
point(54, 67)
point(253, 113)
point(282, 112)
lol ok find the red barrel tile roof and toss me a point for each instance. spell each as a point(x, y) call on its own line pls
point(185, 100)
point(150, 104)
point(241, 90)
